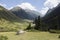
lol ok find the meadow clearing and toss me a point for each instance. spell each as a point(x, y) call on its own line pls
point(31, 36)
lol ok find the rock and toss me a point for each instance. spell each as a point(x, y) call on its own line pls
point(20, 32)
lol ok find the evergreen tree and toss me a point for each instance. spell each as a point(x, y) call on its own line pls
point(29, 27)
point(37, 23)
point(38, 20)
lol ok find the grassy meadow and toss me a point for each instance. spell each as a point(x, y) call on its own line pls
point(31, 36)
point(10, 23)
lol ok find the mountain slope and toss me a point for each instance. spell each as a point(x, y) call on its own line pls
point(9, 21)
point(7, 15)
point(52, 18)
point(24, 14)
point(53, 12)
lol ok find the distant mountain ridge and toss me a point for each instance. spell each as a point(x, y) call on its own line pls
point(25, 13)
point(7, 15)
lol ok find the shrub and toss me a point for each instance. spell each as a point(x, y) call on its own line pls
point(3, 37)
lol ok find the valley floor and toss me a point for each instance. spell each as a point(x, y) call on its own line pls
point(31, 36)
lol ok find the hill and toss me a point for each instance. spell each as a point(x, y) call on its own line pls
point(9, 21)
point(52, 18)
point(25, 13)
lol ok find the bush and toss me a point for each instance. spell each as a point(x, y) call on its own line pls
point(3, 37)
point(33, 30)
point(7, 29)
point(54, 31)
point(59, 36)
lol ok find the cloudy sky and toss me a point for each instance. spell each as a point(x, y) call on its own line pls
point(39, 5)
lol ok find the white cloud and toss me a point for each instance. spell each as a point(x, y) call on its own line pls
point(27, 6)
point(49, 4)
point(10, 8)
point(4, 5)
point(44, 10)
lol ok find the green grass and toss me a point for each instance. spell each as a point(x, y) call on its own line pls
point(31, 36)
point(8, 20)
point(6, 25)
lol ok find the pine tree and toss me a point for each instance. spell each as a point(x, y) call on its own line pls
point(29, 27)
point(38, 20)
point(37, 23)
